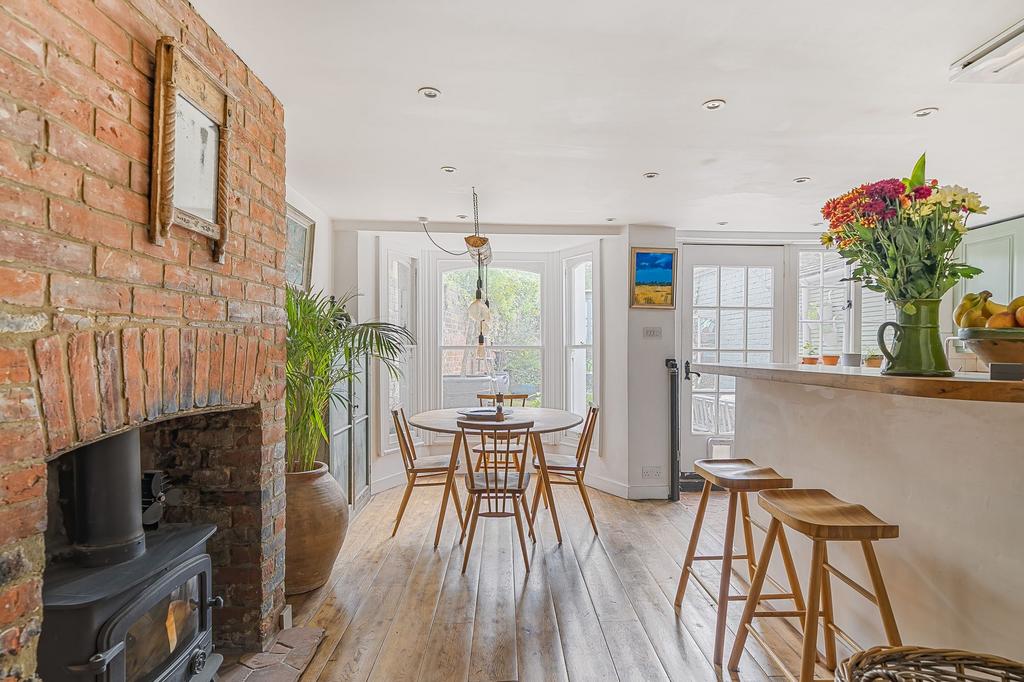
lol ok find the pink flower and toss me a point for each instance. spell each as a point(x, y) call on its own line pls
point(922, 192)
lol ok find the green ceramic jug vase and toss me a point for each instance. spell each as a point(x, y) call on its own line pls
point(917, 347)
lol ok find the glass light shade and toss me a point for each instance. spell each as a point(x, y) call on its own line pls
point(478, 312)
point(481, 349)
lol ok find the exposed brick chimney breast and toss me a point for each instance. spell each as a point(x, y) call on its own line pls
point(103, 331)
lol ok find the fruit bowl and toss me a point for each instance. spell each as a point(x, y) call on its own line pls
point(995, 345)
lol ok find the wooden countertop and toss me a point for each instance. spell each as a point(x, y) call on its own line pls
point(964, 386)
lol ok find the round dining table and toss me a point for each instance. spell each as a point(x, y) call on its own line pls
point(545, 420)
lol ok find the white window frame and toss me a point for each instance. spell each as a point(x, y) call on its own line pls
point(387, 255)
point(567, 259)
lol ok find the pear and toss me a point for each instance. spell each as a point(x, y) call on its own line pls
point(1002, 320)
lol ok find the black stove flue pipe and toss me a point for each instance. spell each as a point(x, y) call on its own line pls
point(107, 501)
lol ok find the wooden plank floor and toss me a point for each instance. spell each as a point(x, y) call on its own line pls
point(592, 608)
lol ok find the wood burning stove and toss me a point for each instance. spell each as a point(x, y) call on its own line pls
point(126, 605)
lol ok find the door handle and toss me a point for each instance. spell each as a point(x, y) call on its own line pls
point(688, 374)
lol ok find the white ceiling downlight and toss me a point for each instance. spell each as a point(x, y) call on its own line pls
point(801, 180)
point(722, 222)
point(429, 92)
point(1000, 60)
point(609, 220)
point(714, 104)
point(448, 169)
point(927, 111)
point(650, 175)
point(462, 216)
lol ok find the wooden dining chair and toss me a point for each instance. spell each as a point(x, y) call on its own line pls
point(490, 400)
point(496, 488)
point(420, 471)
point(570, 469)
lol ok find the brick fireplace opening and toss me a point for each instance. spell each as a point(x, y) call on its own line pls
point(103, 332)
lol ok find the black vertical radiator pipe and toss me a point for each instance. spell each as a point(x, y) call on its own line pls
point(673, 393)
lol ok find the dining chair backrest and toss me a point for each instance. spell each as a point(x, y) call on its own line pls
point(495, 477)
point(586, 437)
point(489, 399)
point(405, 442)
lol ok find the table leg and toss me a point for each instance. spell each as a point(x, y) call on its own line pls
point(538, 449)
point(449, 481)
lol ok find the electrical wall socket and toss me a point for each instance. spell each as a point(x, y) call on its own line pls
point(651, 472)
point(652, 332)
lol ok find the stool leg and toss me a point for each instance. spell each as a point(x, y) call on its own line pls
point(754, 595)
point(892, 632)
point(691, 548)
point(809, 654)
point(791, 575)
point(748, 535)
point(723, 584)
point(828, 617)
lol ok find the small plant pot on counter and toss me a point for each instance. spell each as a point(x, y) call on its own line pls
point(873, 361)
point(809, 360)
point(830, 360)
point(317, 516)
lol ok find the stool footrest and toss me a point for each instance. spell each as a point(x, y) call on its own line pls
point(845, 637)
point(777, 660)
point(718, 557)
point(854, 585)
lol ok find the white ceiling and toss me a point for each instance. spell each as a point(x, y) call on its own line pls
point(555, 109)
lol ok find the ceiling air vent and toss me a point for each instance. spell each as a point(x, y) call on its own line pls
point(1000, 60)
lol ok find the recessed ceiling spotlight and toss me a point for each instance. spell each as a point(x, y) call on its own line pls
point(449, 169)
point(801, 180)
point(817, 224)
point(927, 111)
point(462, 216)
point(650, 175)
point(723, 222)
point(429, 92)
point(714, 104)
point(609, 220)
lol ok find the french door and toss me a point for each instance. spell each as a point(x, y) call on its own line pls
point(732, 311)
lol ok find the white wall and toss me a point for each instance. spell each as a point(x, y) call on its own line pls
point(323, 238)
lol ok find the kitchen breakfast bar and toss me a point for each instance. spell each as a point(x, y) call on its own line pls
point(941, 458)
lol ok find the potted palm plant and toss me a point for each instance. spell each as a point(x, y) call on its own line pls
point(322, 344)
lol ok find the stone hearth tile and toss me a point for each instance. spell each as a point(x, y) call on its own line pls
point(274, 673)
point(300, 637)
point(261, 660)
point(234, 673)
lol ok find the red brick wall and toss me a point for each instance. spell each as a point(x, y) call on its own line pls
point(100, 330)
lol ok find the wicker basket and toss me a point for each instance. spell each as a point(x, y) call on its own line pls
point(916, 664)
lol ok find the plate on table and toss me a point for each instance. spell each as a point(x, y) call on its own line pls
point(482, 413)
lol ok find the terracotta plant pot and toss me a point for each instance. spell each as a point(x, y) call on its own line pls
point(809, 360)
point(830, 359)
point(873, 361)
point(316, 520)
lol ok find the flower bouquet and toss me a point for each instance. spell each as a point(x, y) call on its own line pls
point(901, 236)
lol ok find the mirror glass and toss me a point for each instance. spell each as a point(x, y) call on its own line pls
point(195, 160)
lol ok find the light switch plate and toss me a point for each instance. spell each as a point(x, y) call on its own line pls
point(652, 332)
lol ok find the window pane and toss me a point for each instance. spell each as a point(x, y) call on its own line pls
point(515, 307)
point(706, 381)
point(832, 338)
point(523, 371)
point(727, 414)
point(810, 304)
point(759, 357)
point(703, 409)
point(731, 333)
point(581, 380)
point(759, 287)
point(759, 329)
point(463, 376)
point(705, 328)
point(400, 295)
point(810, 268)
point(734, 286)
point(580, 304)
point(835, 268)
point(874, 311)
point(705, 286)
point(810, 338)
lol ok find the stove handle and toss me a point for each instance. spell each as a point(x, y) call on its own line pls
point(97, 663)
point(215, 602)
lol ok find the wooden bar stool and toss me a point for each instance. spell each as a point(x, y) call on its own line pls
point(739, 477)
point(822, 517)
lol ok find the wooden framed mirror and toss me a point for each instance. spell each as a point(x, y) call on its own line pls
point(192, 123)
